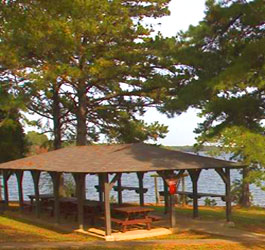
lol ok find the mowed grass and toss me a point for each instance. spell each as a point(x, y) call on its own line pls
point(16, 230)
point(13, 230)
point(250, 219)
point(168, 246)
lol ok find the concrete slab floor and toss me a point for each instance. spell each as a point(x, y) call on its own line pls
point(129, 235)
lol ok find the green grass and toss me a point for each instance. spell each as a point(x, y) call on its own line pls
point(251, 219)
point(22, 229)
point(217, 246)
point(14, 230)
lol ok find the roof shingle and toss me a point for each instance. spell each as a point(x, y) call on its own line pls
point(115, 158)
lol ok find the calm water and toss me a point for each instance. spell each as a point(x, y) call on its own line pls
point(209, 182)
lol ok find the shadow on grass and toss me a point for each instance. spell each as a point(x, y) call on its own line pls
point(28, 228)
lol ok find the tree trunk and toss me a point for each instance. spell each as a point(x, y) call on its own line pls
point(245, 200)
point(57, 131)
point(1, 185)
point(81, 115)
point(56, 119)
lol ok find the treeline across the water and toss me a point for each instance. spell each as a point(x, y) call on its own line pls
point(188, 148)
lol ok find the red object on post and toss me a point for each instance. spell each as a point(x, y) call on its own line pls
point(172, 186)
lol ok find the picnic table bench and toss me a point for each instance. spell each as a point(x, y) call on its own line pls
point(132, 216)
point(199, 195)
point(42, 197)
point(45, 201)
point(136, 189)
point(122, 188)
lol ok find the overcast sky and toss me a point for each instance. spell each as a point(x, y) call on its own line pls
point(183, 14)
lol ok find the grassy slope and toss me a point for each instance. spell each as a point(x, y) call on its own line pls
point(252, 219)
point(13, 230)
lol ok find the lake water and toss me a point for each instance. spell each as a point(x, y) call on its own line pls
point(209, 182)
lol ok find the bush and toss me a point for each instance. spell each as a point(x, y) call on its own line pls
point(237, 192)
point(210, 202)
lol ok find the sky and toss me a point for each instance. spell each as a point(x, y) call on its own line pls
point(183, 14)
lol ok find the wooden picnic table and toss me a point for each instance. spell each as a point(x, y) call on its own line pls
point(132, 216)
point(42, 197)
point(69, 207)
point(199, 195)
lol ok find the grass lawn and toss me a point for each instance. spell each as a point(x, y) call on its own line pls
point(218, 246)
point(13, 230)
point(250, 219)
point(253, 219)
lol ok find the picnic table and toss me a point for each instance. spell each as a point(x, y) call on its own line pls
point(42, 197)
point(45, 201)
point(69, 207)
point(132, 216)
point(199, 195)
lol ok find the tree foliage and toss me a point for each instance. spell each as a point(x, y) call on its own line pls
point(85, 64)
point(12, 144)
point(224, 57)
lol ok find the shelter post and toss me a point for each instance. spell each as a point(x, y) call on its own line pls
point(107, 187)
point(80, 187)
point(107, 204)
point(6, 175)
point(119, 192)
point(166, 203)
point(140, 176)
point(171, 180)
point(36, 178)
point(183, 198)
point(100, 187)
point(19, 175)
point(228, 195)
point(172, 211)
point(56, 177)
point(225, 175)
point(194, 175)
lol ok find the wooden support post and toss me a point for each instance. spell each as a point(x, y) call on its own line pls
point(194, 175)
point(166, 205)
point(170, 178)
point(183, 198)
point(225, 175)
point(228, 195)
point(19, 175)
point(56, 177)
point(6, 175)
point(140, 176)
point(80, 186)
point(119, 192)
point(156, 189)
point(107, 204)
point(36, 178)
point(100, 187)
point(172, 211)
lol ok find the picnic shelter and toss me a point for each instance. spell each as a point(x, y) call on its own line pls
point(114, 160)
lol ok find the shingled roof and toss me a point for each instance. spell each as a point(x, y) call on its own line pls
point(115, 158)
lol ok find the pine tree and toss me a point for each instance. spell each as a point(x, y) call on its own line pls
point(97, 55)
point(224, 57)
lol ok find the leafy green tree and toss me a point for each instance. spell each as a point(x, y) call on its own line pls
point(224, 57)
point(97, 55)
point(38, 143)
point(12, 144)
